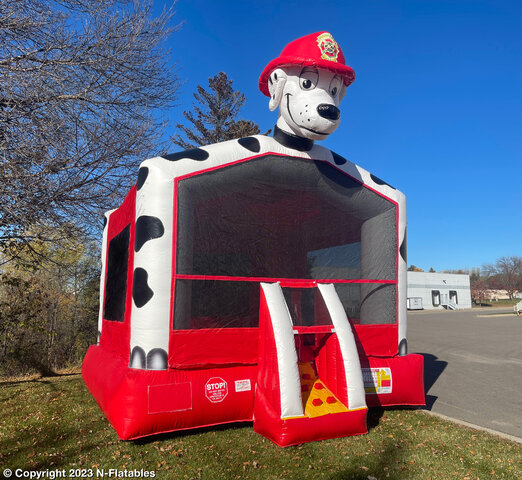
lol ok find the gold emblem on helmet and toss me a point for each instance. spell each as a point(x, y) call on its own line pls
point(328, 46)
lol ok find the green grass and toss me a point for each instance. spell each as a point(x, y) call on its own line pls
point(499, 303)
point(52, 423)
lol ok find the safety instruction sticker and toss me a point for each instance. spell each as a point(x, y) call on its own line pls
point(216, 389)
point(377, 380)
point(243, 385)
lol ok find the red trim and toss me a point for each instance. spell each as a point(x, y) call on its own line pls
point(218, 167)
point(115, 335)
point(243, 160)
point(285, 282)
point(397, 270)
point(174, 252)
point(314, 329)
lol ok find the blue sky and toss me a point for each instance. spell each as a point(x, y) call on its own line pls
point(435, 109)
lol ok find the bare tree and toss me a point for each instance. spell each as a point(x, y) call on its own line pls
point(81, 82)
point(213, 118)
point(479, 289)
point(507, 273)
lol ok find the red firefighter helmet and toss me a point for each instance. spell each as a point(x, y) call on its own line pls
point(318, 50)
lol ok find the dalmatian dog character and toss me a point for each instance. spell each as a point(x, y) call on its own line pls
point(307, 82)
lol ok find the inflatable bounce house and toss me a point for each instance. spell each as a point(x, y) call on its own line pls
point(260, 279)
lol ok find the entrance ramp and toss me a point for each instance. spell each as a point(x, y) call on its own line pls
point(310, 384)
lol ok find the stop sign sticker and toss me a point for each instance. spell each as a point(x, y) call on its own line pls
point(216, 389)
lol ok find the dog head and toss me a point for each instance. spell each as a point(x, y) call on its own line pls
point(307, 83)
point(308, 99)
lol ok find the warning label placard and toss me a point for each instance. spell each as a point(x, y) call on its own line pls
point(216, 389)
point(377, 380)
point(243, 385)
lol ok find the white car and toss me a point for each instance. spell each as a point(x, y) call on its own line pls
point(518, 308)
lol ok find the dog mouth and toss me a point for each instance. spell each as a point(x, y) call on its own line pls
point(288, 95)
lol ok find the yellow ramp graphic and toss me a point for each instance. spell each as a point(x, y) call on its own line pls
point(318, 400)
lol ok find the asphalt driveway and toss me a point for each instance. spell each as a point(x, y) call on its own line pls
point(473, 365)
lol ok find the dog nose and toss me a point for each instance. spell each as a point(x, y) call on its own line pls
point(326, 110)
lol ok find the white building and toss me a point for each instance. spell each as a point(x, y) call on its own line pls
point(438, 290)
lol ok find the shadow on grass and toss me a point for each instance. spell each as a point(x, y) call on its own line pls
point(179, 434)
point(372, 421)
point(386, 459)
point(373, 418)
point(32, 379)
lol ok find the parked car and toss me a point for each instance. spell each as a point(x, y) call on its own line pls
point(518, 308)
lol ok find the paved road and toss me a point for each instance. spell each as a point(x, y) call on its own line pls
point(473, 365)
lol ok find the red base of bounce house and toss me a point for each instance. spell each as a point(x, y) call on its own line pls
point(139, 403)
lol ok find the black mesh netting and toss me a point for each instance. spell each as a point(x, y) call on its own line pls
point(116, 283)
point(280, 217)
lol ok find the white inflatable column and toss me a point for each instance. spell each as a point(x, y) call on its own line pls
point(402, 277)
point(289, 379)
point(151, 290)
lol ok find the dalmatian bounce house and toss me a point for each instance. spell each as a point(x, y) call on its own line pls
point(260, 279)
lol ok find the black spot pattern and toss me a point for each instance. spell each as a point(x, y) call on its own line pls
point(404, 249)
point(147, 228)
point(143, 173)
point(338, 159)
point(194, 154)
point(379, 181)
point(250, 143)
point(141, 292)
point(403, 347)
point(137, 358)
point(157, 359)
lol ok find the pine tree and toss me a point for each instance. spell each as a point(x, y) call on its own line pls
point(213, 118)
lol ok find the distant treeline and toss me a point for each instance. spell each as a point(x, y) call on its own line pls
point(48, 307)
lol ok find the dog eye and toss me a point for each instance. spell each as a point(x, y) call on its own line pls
point(335, 86)
point(308, 78)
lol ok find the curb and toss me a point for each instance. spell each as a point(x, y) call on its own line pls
point(506, 436)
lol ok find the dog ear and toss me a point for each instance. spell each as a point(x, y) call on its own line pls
point(276, 85)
